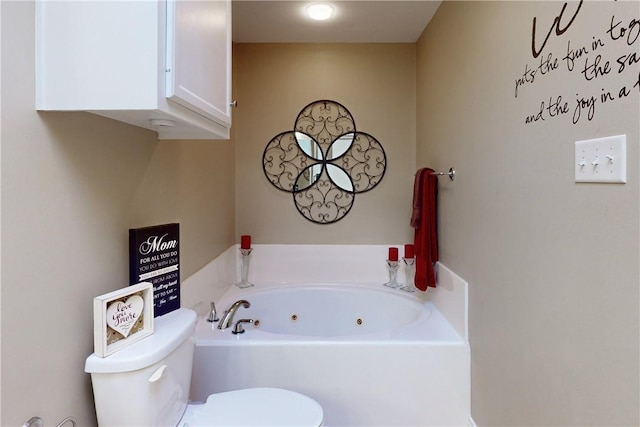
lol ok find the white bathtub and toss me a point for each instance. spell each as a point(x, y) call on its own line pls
point(368, 354)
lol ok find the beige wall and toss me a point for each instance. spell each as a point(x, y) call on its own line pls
point(72, 185)
point(376, 83)
point(552, 265)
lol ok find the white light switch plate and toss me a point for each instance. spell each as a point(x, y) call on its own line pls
point(602, 160)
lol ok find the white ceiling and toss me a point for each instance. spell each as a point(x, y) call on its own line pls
point(354, 21)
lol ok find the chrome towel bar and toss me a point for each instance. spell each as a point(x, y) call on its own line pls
point(451, 173)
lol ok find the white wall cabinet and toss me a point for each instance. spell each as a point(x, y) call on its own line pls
point(161, 65)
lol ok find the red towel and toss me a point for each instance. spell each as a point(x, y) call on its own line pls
point(423, 219)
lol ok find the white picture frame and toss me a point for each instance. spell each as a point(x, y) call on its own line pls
point(122, 317)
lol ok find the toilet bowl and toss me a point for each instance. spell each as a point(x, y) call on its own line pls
point(255, 407)
point(147, 384)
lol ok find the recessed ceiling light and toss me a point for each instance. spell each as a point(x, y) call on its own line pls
point(319, 11)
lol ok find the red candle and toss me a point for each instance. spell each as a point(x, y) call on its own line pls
point(393, 254)
point(245, 242)
point(408, 251)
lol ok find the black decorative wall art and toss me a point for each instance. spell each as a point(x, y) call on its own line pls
point(324, 162)
point(154, 256)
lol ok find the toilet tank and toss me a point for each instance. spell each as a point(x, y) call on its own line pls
point(146, 383)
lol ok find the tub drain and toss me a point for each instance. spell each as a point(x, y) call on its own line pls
point(294, 317)
point(359, 321)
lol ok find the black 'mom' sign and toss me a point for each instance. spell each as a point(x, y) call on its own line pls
point(154, 256)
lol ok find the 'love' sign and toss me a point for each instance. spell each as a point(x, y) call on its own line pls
point(122, 315)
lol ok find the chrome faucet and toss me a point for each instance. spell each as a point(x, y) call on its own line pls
point(227, 317)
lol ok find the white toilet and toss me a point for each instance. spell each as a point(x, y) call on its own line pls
point(147, 384)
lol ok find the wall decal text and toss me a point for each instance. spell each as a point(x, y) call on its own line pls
point(559, 31)
point(611, 54)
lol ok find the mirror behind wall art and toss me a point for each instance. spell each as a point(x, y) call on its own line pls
point(324, 162)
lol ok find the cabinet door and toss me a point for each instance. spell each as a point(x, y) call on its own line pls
point(199, 56)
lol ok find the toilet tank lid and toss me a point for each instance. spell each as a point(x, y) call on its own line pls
point(169, 332)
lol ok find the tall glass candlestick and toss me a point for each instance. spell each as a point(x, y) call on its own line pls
point(245, 257)
point(409, 272)
point(392, 266)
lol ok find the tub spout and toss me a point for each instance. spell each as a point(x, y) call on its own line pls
point(227, 317)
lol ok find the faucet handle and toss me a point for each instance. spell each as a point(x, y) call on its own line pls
point(238, 329)
point(213, 314)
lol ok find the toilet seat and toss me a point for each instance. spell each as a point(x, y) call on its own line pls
point(264, 406)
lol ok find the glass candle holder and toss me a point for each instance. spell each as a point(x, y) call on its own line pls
point(245, 258)
point(392, 266)
point(409, 272)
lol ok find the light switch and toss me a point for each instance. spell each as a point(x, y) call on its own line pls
point(602, 160)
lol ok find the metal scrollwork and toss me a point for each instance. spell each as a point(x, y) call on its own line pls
point(324, 162)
